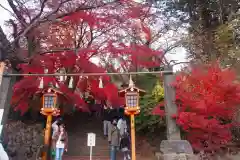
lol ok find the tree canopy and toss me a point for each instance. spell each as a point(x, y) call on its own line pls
point(207, 99)
point(65, 37)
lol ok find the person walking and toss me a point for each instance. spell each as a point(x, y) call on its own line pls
point(122, 122)
point(56, 124)
point(107, 118)
point(3, 153)
point(125, 146)
point(55, 130)
point(62, 142)
point(114, 140)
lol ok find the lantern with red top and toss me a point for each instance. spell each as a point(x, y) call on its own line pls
point(132, 94)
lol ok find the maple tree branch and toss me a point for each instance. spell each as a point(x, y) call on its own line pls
point(177, 63)
point(41, 10)
point(57, 50)
point(66, 49)
point(37, 21)
point(81, 32)
point(91, 38)
point(17, 13)
point(45, 19)
point(12, 14)
point(146, 13)
point(85, 8)
point(158, 35)
point(105, 31)
point(14, 25)
point(80, 39)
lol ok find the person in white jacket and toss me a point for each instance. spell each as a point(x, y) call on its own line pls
point(56, 124)
point(55, 130)
point(3, 154)
point(122, 123)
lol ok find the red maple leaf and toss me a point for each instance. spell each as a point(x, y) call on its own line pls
point(209, 98)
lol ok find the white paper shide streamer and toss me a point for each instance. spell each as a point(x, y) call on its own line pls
point(70, 85)
point(41, 84)
point(100, 82)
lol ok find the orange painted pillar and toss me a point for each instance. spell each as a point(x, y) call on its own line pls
point(47, 136)
point(133, 138)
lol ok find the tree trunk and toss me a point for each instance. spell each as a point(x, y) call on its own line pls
point(6, 49)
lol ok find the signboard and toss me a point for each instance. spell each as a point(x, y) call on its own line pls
point(91, 141)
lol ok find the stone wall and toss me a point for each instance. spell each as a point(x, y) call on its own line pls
point(21, 141)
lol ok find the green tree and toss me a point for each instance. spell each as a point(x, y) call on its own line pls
point(145, 121)
point(205, 19)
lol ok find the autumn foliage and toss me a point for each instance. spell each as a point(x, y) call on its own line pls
point(207, 99)
point(71, 41)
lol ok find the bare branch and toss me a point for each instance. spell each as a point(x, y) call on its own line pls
point(12, 14)
point(41, 10)
point(14, 25)
point(46, 18)
point(81, 7)
point(6, 50)
point(35, 23)
point(91, 37)
point(17, 13)
point(177, 63)
point(56, 50)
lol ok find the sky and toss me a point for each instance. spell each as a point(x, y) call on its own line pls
point(4, 15)
point(178, 54)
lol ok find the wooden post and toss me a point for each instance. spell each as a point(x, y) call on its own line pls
point(133, 138)
point(173, 132)
point(47, 136)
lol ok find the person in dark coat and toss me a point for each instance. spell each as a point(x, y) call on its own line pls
point(125, 146)
point(107, 118)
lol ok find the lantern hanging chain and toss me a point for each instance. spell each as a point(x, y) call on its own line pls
point(86, 74)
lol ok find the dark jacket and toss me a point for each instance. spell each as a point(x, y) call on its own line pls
point(114, 114)
point(107, 114)
point(125, 142)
